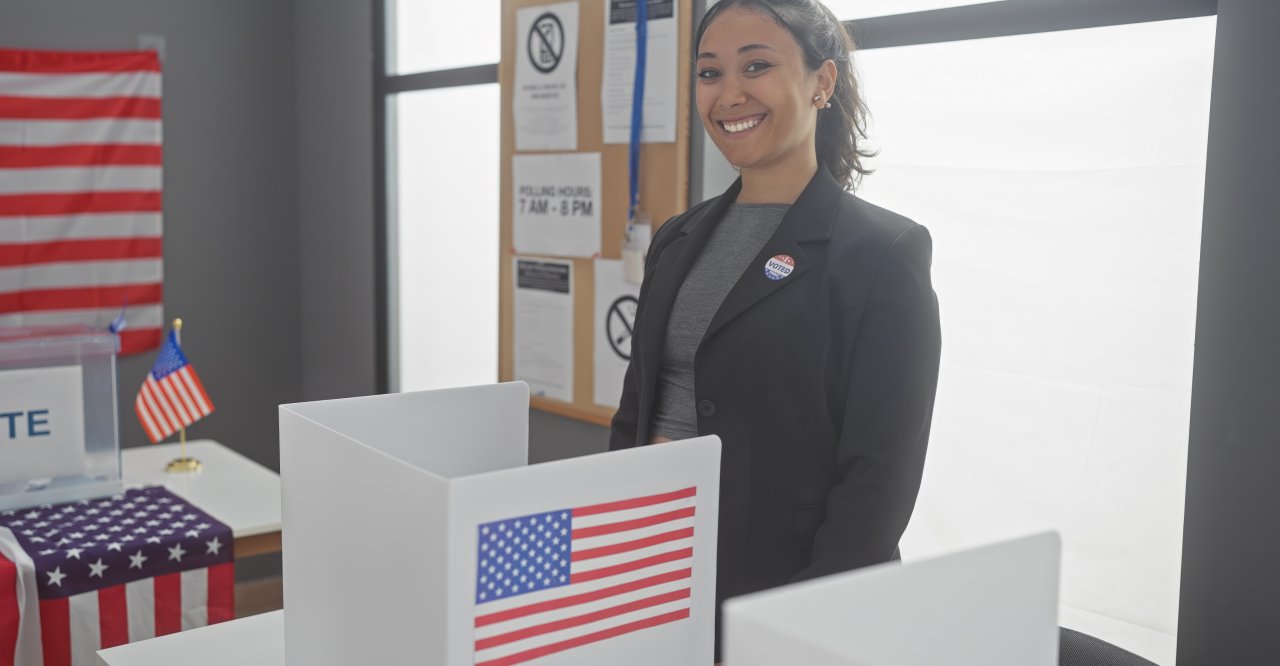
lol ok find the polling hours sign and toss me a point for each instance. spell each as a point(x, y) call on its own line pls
point(556, 204)
point(41, 423)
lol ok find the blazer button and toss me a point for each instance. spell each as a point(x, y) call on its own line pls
point(706, 408)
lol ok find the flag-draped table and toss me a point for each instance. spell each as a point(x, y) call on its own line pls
point(97, 573)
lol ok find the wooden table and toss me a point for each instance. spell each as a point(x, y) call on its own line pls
point(257, 640)
point(231, 488)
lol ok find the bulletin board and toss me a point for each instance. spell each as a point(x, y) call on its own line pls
point(664, 190)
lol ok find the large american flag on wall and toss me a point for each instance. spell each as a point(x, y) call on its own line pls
point(93, 574)
point(554, 581)
point(80, 186)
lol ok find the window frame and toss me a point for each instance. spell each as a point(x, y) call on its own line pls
point(385, 87)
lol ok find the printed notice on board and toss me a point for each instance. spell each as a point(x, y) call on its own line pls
point(556, 204)
point(620, 71)
point(545, 103)
point(616, 303)
point(544, 327)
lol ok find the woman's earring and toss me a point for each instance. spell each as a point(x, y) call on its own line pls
point(817, 99)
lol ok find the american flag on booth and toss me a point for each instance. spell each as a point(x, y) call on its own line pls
point(172, 395)
point(558, 580)
point(80, 191)
point(95, 574)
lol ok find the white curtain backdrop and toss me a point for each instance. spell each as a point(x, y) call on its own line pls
point(1062, 177)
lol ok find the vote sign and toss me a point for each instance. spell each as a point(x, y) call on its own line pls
point(42, 433)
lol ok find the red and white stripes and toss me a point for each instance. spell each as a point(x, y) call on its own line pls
point(72, 629)
point(80, 191)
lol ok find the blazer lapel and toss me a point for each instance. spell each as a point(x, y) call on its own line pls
point(808, 220)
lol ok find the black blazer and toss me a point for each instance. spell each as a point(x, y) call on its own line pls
point(820, 384)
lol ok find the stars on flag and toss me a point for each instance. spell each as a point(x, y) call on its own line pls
point(56, 576)
point(111, 545)
point(522, 554)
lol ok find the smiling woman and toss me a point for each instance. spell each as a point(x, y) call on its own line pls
point(755, 76)
point(790, 318)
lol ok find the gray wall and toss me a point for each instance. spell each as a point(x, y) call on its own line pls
point(231, 196)
point(553, 437)
point(1231, 547)
point(335, 197)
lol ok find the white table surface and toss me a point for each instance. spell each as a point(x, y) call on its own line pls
point(256, 641)
point(231, 488)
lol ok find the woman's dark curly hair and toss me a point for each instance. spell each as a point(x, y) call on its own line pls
point(821, 37)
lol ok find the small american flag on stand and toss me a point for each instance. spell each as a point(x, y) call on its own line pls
point(110, 571)
point(555, 581)
point(171, 397)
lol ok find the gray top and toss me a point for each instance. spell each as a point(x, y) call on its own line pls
point(733, 244)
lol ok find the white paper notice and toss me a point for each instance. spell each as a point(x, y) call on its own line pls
point(544, 327)
point(545, 105)
point(615, 317)
point(41, 423)
point(557, 204)
point(620, 71)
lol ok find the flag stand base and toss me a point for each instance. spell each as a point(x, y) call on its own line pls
point(183, 465)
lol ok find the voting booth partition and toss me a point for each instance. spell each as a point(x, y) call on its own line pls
point(996, 605)
point(415, 532)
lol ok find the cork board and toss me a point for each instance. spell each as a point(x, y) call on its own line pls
point(664, 190)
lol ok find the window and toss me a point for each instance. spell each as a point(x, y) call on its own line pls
point(1062, 177)
point(447, 233)
point(441, 111)
point(429, 34)
point(850, 10)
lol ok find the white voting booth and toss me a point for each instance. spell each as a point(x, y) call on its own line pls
point(990, 606)
point(415, 532)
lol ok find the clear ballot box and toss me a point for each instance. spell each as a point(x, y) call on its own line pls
point(58, 434)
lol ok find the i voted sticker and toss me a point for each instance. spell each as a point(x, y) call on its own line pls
point(779, 267)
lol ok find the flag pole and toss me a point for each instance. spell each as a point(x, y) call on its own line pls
point(182, 464)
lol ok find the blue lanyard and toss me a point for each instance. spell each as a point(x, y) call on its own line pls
point(637, 103)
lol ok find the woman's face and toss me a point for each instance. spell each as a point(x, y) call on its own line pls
point(754, 93)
